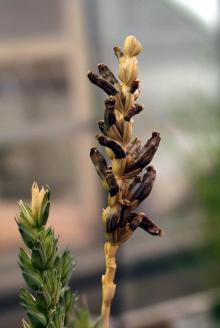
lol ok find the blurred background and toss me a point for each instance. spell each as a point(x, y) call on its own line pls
point(48, 114)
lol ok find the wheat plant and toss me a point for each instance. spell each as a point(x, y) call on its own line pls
point(48, 300)
point(126, 176)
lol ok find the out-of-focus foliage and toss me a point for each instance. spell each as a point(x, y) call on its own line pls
point(82, 320)
point(208, 189)
point(208, 192)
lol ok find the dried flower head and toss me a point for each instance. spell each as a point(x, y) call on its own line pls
point(128, 179)
point(126, 176)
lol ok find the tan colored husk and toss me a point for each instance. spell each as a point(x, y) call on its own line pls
point(119, 178)
point(127, 74)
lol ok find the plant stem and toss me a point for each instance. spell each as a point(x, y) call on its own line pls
point(127, 159)
point(108, 286)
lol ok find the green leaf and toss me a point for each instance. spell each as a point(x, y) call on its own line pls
point(57, 318)
point(33, 279)
point(51, 285)
point(24, 259)
point(67, 267)
point(25, 215)
point(28, 300)
point(44, 299)
point(38, 318)
point(50, 243)
point(68, 302)
point(39, 256)
point(28, 234)
point(45, 209)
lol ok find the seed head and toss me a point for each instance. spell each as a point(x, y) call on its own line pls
point(122, 177)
